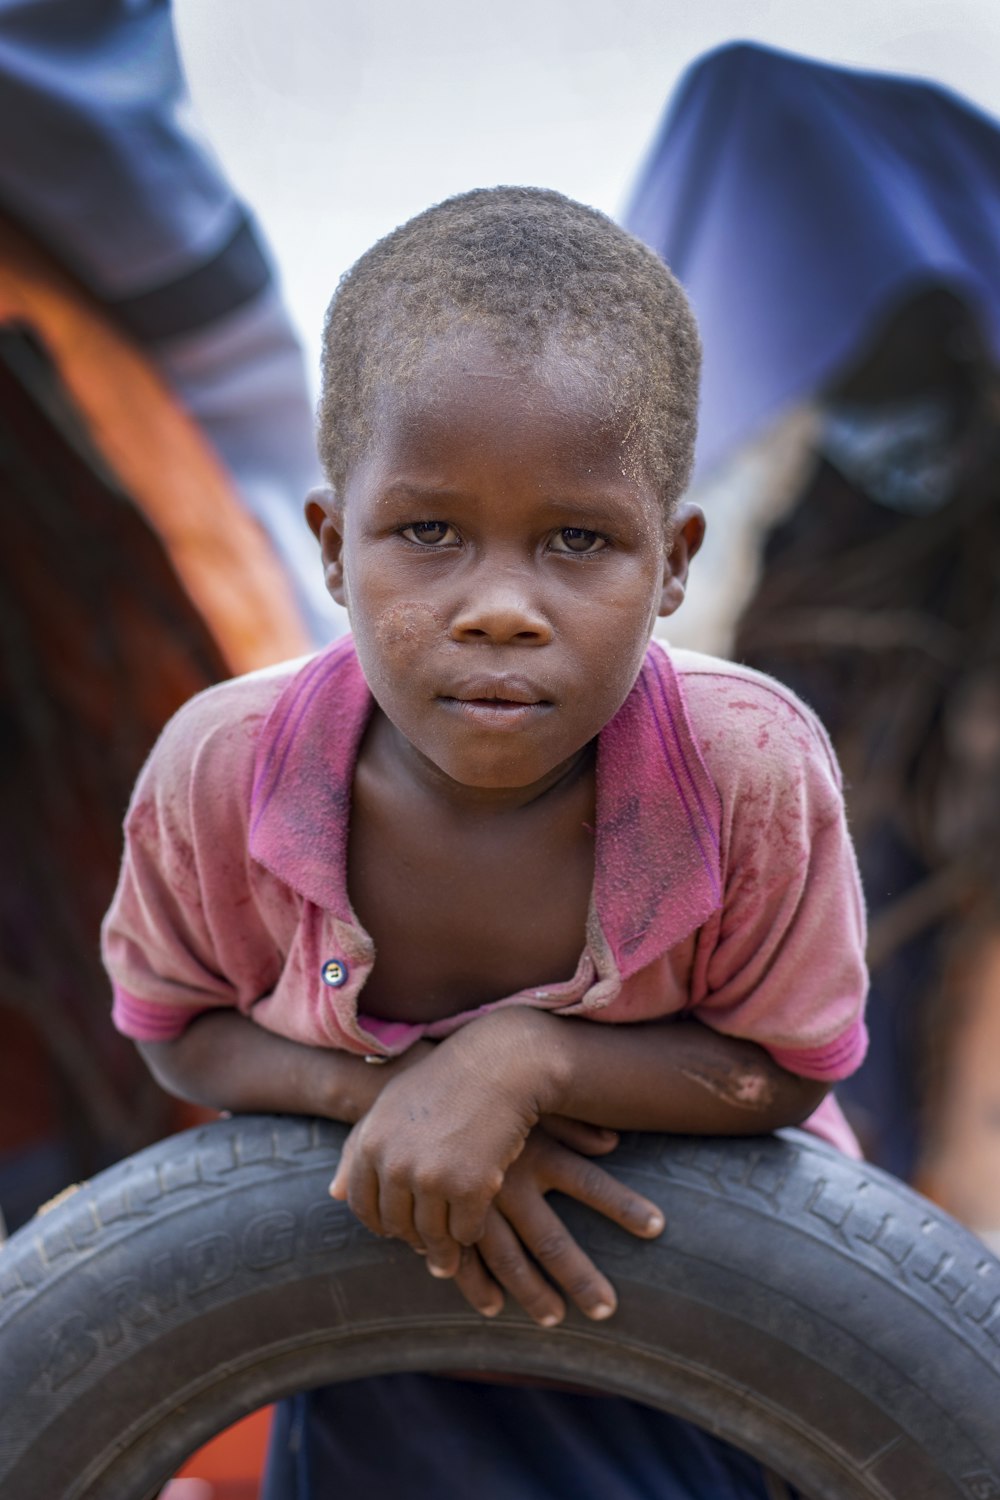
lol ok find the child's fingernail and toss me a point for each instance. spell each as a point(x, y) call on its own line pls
point(491, 1309)
point(602, 1310)
point(655, 1223)
point(419, 1249)
point(441, 1272)
point(550, 1320)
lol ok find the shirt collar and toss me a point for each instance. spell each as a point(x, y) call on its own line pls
point(657, 865)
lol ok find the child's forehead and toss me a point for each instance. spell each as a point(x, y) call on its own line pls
point(558, 396)
point(473, 421)
point(474, 369)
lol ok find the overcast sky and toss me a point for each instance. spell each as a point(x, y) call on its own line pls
point(337, 119)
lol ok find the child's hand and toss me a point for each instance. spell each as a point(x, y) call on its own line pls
point(524, 1236)
point(431, 1154)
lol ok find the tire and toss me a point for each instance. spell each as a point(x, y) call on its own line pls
point(810, 1310)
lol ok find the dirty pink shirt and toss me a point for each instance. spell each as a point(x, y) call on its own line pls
point(725, 884)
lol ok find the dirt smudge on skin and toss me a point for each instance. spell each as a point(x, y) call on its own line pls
point(406, 622)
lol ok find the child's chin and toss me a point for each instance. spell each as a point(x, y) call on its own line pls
point(500, 769)
point(494, 777)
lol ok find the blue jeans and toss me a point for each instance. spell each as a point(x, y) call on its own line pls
point(422, 1437)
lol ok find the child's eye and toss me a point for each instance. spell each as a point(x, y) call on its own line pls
point(577, 539)
point(429, 533)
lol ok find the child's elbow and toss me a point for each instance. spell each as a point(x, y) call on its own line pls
point(166, 1061)
point(190, 1066)
point(771, 1096)
point(798, 1098)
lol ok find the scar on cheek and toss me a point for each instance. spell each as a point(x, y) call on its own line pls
point(405, 622)
point(740, 1086)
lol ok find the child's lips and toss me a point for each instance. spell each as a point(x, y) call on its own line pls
point(501, 702)
point(498, 702)
point(496, 713)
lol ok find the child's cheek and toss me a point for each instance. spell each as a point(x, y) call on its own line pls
point(396, 644)
point(406, 624)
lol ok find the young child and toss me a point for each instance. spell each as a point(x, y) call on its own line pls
point(558, 881)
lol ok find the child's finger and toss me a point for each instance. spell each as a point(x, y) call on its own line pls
point(543, 1233)
point(395, 1212)
point(591, 1140)
point(507, 1259)
point(591, 1184)
point(430, 1221)
point(467, 1212)
point(477, 1285)
point(358, 1185)
point(338, 1187)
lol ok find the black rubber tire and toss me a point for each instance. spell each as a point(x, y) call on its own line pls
point(814, 1312)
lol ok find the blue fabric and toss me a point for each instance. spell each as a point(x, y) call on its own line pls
point(29, 1176)
point(798, 203)
point(102, 161)
point(420, 1437)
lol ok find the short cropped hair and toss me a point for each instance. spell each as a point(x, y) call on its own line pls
point(531, 269)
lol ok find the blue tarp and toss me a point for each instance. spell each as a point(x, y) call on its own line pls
point(799, 203)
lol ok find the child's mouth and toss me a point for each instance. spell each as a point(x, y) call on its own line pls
point(505, 704)
point(496, 713)
point(499, 703)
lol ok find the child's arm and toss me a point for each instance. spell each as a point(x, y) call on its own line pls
point(225, 1061)
point(674, 1076)
point(429, 1159)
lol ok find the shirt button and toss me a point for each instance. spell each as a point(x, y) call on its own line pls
point(334, 973)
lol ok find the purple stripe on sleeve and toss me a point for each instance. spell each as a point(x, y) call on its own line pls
point(144, 1021)
point(834, 1060)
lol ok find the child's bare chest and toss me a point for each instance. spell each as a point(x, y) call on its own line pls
point(465, 914)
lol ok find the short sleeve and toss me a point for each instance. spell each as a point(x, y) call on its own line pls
point(183, 935)
point(782, 962)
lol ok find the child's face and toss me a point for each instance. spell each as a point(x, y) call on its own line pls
point(502, 560)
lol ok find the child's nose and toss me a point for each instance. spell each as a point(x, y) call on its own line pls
point(501, 610)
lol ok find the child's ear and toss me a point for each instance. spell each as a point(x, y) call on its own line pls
point(687, 532)
point(325, 515)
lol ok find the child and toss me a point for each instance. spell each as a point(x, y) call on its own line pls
point(558, 882)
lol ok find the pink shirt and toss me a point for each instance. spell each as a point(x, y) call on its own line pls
point(725, 885)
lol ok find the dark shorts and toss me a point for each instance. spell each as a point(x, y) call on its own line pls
point(421, 1437)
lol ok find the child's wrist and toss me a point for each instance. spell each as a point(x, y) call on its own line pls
point(343, 1086)
point(522, 1055)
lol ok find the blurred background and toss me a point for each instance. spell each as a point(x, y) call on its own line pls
point(338, 121)
point(180, 190)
